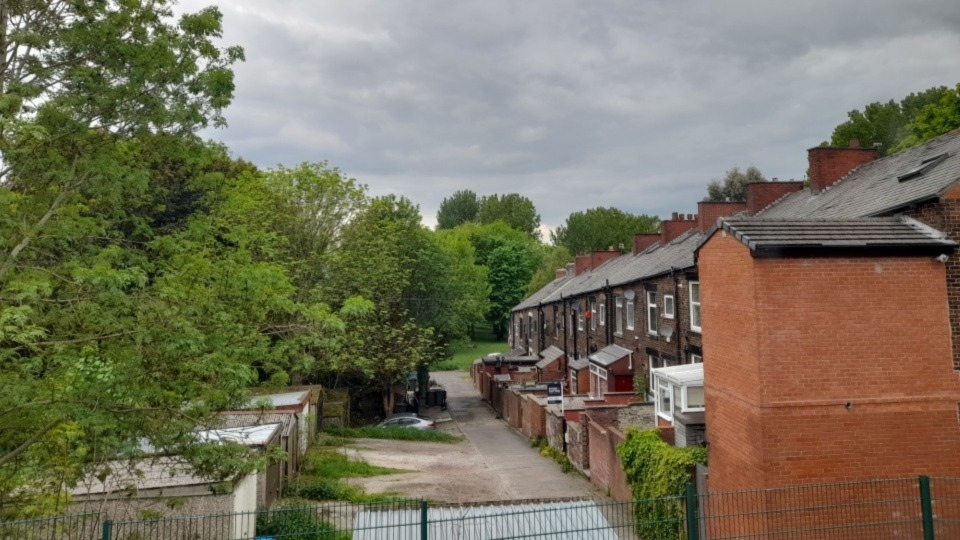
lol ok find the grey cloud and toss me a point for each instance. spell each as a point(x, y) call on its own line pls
point(634, 104)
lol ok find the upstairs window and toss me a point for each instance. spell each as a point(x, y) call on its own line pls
point(603, 314)
point(695, 306)
point(652, 316)
point(668, 306)
point(618, 314)
point(631, 314)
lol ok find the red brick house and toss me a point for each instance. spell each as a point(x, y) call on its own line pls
point(814, 377)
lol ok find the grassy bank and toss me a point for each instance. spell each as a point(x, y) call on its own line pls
point(465, 353)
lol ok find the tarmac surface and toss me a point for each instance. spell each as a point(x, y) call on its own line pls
point(492, 463)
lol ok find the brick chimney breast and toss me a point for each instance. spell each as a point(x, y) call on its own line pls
point(828, 164)
point(672, 228)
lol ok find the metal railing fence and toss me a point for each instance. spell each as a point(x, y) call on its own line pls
point(922, 508)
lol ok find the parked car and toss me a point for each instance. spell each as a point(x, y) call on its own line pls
point(409, 420)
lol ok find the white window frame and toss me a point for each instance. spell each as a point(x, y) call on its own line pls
point(668, 300)
point(593, 315)
point(652, 361)
point(665, 387)
point(597, 374)
point(618, 313)
point(696, 315)
point(631, 314)
point(696, 358)
point(603, 314)
point(580, 322)
point(653, 315)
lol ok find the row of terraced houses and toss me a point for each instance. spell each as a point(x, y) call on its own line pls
point(808, 334)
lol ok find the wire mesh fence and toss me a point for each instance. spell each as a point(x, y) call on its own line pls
point(921, 508)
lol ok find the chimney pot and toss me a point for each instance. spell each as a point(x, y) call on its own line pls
point(673, 216)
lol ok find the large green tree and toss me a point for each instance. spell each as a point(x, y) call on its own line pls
point(131, 308)
point(513, 209)
point(601, 228)
point(933, 118)
point(461, 207)
point(884, 125)
point(733, 185)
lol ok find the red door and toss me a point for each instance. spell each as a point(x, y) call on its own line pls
point(623, 383)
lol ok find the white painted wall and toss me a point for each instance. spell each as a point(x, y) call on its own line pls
point(245, 508)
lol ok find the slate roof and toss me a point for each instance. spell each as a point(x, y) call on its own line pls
point(629, 268)
point(609, 355)
point(879, 187)
point(782, 236)
point(577, 365)
point(549, 356)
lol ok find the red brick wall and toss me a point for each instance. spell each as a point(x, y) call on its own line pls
point(534, 418)
point(792, 341)
point(827, 165)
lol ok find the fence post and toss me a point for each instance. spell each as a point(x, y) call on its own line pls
point(693, 528)
point(107, 530)
point(423, 520)
point(926, 508)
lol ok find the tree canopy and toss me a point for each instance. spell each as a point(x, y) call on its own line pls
point(513, 209)
point(600, 228)
point(461, 207)
point(733, 185)
point(891, 126)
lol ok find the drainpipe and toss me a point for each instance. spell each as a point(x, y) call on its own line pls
point(676, 313)
point(543, 330)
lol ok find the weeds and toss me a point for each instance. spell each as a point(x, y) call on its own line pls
point(398, 433)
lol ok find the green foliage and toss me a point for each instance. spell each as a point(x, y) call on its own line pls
point(397, 433)
point(557, 456)
point(457, 209)
point(893, 126)
point(657, 474)
point(733, 186)
point(466, 351)
point(516, 211)
point(333, 465)
point(602, 228)
point(551, 258)
point(933, 119)
point(296, 523)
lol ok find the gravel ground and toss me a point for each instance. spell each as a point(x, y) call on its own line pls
point(492, 462)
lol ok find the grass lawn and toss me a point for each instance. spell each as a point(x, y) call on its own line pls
point(322, 473)
point(465, 353)
point(397, 433)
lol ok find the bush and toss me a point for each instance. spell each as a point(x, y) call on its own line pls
point(657, 474)
point(297, 524)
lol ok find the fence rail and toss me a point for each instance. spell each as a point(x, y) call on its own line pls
point(922, 508)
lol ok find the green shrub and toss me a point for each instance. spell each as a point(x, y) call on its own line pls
point(297, 524)
point(558, 456)
point(397, 433)
point(657, 474)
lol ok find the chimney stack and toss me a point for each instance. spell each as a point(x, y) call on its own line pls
point(571, 269)
point(762, 194)
point(674, 227)
point(828, 164)
point(709, 212)
point(561, 273)
point(644, 240)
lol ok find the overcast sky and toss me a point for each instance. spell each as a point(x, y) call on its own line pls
point(634, 104)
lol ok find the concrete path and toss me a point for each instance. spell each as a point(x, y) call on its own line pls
point(519, 470)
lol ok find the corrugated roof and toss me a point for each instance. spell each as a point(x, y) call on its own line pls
point(684, 374)
point(233, 420)
point(875, 188)
point(574, 519)
point(284, 399)
point(549, 356)
point(245, 435)
point(609, 354)
point(778, 236)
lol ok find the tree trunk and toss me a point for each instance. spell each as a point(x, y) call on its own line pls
point(388, 400)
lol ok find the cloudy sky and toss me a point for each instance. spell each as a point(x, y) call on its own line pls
point(634, 104)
